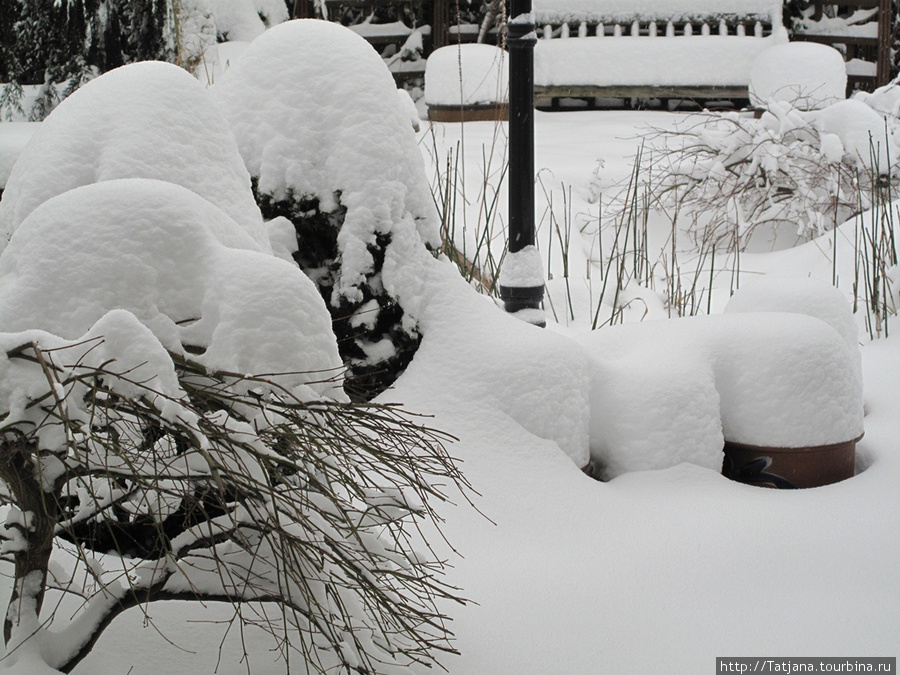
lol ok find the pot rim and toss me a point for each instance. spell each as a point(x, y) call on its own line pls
point(767, 449)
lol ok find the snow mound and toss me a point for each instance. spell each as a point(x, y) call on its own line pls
point(806, 74)
point(145, 120)
point(467, 75)
point(181, 265)
point(316, 113)
point(535, 377)
point(798, 295)
point(862, 131)
point(666, 392)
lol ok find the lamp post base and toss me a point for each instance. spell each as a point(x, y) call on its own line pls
point(525, 302)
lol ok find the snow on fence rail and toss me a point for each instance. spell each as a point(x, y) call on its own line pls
point(669, 49)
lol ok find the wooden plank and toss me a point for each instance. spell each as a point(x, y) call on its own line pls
point(648, 91)
point(364, 4)
point(833, 39)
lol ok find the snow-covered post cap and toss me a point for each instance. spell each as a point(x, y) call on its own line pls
point(521, 281)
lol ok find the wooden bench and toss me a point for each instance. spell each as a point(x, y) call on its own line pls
point(865, 43)
point(620, 54)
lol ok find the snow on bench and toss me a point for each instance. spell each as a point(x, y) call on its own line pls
point(699, 49)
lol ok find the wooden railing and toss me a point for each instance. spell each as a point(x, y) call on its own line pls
point(874, 48)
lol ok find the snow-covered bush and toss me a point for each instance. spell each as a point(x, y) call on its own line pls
point(145, 120)
point(322, 132)
point(788, 172)
point(134, 475)
point(172, 418)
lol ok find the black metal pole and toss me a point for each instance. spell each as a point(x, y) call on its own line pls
point(520, 290)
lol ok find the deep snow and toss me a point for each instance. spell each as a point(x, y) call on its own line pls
point(657, 570)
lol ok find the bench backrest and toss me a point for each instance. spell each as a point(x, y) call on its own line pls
point(582, 18)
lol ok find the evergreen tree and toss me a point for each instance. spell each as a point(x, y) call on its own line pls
point(61, 45)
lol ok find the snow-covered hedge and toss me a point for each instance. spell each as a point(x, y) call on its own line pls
point(329, 146)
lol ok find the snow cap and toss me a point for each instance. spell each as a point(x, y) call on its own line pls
point(144, 120)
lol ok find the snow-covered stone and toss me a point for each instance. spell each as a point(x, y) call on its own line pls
point(145, 120)
point(806, 74)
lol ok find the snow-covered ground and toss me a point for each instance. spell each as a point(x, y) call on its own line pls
point(658, 570)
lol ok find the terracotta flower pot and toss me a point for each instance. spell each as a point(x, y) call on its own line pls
point(487, 112)
point(789, 468)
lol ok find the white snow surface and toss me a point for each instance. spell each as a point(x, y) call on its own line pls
point(145, 120)
point(315, 111)
point(554, 11)
point(863, 132)
point(678, 61)
point(805, 74)
point(182, 266)
point(469, 74)
point(799, 295)
point(521, 373)
point(658, 570)
point(523, 269)
point(14, 136)
point(885, 100)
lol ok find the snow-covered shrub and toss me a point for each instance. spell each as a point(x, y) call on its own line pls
point(790, 171)
point(172, 418)
point(145, 120)
point(245, 20)
point(133, 475)
point(322, 132)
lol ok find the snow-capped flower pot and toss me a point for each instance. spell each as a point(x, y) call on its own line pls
point(790, 468)
point(825, 452)
point(750, 378)
point(467, 83)
point(807, 75)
